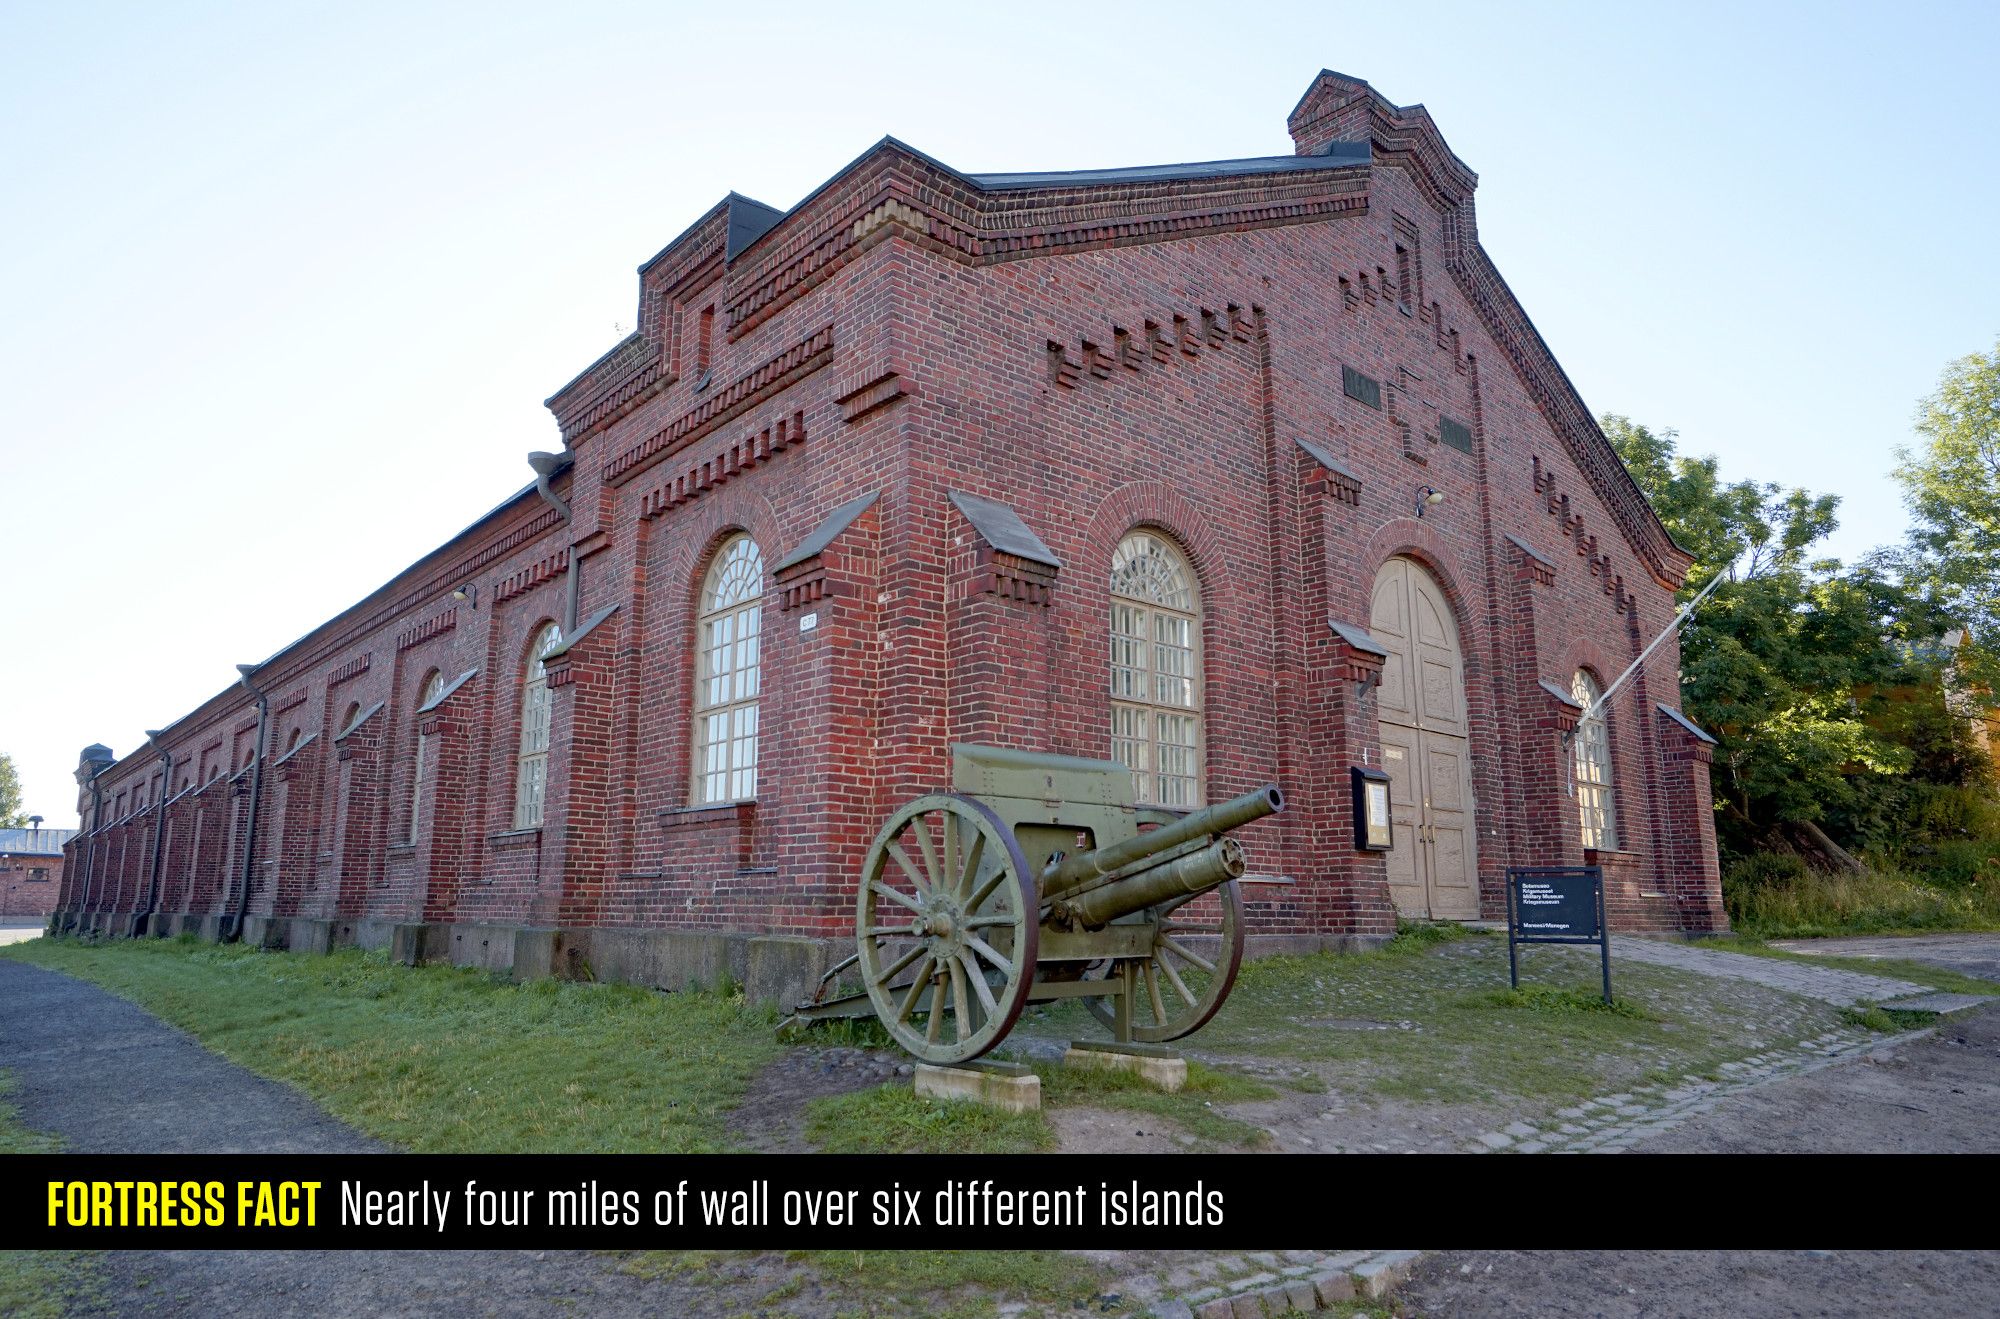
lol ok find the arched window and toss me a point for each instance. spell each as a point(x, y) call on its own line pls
point(727, 684)
point(531, 776)
point(432, 689)
point(347, 719)
point(1596, 812)
point(1156, 670)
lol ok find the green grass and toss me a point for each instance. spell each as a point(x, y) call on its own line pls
point(1195, 1108)
point(893, 1119)
point(1541, 998)
point(442, 1059)
point(1455, 1034)
point(948, 1284)
point(42, 1284)
point(1767, 902)
point(1886, 1021)
point(15, 1138)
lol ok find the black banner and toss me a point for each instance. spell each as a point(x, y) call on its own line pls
point(762, 1202)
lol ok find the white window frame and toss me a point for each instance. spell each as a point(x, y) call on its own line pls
point(1156, 688)
point(1596, 802)
point(433, 688)
point(531, 769)
point(728, 680)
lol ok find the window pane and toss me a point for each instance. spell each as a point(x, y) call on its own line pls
point(730, 679)
point(1155, 670)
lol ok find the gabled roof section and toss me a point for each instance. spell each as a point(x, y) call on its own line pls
point(1338, 155)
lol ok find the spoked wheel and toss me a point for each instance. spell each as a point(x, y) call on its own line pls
point(946, 925)
point(1197, 950)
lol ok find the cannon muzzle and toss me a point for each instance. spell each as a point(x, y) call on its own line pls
point(1075, 871)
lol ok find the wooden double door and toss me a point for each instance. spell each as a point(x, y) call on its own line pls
point(1433, 860)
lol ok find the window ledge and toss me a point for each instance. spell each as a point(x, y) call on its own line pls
point(737, 818)
point(1611, 856)
point(508, 839)
point(401, 849)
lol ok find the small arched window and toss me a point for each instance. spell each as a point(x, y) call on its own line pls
point(292, 742)
point(1596, 813)
point(347, 719)
point(432, 689)
point(1156, 670)
point(531, 776)
point(728, 682)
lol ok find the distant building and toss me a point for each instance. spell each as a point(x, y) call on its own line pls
point(31, 868)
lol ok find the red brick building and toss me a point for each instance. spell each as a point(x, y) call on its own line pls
point(31, 872)
point(1243, 471)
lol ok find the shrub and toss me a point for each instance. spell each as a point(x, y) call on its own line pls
point(1765, 870)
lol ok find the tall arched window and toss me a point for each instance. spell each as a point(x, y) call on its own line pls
point(727, 685)
point(1156, 670)
point(432, 689)
point(531, 775)
point(1596, 812)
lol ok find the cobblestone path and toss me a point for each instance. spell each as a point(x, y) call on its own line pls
point(1841, 988)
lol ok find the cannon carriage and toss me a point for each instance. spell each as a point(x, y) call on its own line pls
point(1037, 878)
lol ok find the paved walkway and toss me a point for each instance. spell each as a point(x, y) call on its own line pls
point(1841, 988)
point(108, 1077)
point(1967, 954)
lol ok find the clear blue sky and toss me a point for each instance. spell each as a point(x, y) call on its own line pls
point(276, 277)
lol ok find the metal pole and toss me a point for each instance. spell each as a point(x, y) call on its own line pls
point(1596, 708)
point(1603, 937)
point(1513, 959)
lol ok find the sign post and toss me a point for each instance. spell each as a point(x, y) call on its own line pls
point(1556, 904)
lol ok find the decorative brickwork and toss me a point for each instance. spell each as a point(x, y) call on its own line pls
point(1268, 362)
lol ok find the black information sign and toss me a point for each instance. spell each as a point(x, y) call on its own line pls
point(1556, 904)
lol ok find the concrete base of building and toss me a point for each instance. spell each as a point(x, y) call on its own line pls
point(781, 969)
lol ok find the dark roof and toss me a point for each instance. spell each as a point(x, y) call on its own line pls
point(748, 221)
point(1002, 528)
point(1357, 637)
point(1561, 694)
point(1529, 550)
point(34, 842)
point(836, 522)
point(1686, 723)
point(1319, 455)
point(1339, 155)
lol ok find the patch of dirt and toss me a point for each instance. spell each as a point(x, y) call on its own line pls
point(771, 1118)
point(1109, 1131)
point(1701, 1284)
point(1934, 1095)
point(1334, 1123)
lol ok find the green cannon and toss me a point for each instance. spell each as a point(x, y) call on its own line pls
point(1038, 878)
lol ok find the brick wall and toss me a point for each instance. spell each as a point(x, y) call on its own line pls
point(1096, 355)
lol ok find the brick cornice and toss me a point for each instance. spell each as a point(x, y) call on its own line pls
point(742, 394)
point(893, 191)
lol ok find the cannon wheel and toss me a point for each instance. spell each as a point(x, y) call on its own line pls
point(1179, 988)
point(946, 924)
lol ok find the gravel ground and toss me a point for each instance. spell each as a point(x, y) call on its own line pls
point(1703, 1284)
point(1934, 1095)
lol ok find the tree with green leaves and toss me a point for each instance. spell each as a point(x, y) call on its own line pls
point(1951, 482)
point(10, 794)
point(1816, 679)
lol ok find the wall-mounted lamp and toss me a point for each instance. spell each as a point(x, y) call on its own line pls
point(468, 593)
point(1427, 496)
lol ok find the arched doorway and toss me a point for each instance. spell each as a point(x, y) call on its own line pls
point(1433, 863)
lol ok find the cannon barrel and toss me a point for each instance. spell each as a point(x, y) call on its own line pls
point(1194, 873)
point(1220, 818)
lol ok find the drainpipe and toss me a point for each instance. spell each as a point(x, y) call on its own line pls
point(235, 931)
point(546, 466)
point(143, 918)
point(90, 883)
